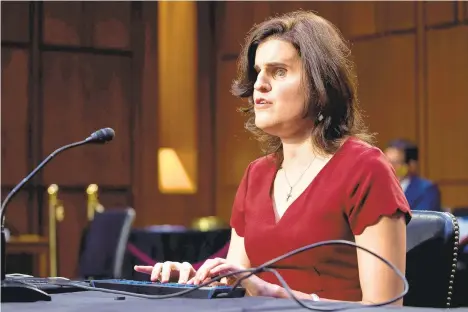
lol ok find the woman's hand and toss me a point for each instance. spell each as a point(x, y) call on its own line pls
point(215, 267)
point(254, 285)
point(167, 271)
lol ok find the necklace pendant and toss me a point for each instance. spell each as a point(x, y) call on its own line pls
point(289, 195)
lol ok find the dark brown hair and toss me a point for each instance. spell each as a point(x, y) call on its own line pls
point(329, 78)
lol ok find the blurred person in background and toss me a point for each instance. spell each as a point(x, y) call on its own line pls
point(422, 194)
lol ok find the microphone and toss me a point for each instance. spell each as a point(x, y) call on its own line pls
point(101, 136)
point(98, 137)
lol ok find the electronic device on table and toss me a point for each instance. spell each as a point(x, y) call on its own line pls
point(24, 288)
point(157, 288)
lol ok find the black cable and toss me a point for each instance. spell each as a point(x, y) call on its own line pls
point(266, 267)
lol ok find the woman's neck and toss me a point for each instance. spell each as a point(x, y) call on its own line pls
point(298, 152)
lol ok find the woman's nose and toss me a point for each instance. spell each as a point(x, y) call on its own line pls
point(261, 84)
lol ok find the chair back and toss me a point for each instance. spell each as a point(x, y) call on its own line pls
point(431, 259)
point(105, 243)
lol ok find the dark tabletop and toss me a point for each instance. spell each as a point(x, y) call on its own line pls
point(96, 301)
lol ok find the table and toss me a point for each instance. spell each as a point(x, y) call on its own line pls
point(96, 302)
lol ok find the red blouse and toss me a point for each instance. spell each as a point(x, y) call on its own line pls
point(354, 189)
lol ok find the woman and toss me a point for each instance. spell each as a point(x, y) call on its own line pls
point(321, 178)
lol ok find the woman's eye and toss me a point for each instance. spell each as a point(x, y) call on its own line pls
point(280, 72)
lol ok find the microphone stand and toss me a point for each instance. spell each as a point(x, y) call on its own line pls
point(15, 290)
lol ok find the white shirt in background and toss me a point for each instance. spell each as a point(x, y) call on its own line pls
point(405, 183)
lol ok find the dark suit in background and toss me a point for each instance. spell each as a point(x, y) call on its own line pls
point(423, 194)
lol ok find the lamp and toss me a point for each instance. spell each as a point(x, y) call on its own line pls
point(173, 177)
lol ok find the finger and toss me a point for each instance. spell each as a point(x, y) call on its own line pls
point(201, 272)
point(156, 272)
point(185, 270)
point(204, 270)
point(167, 267)
point(147, 269)
point(190, 281)
point(224, 268)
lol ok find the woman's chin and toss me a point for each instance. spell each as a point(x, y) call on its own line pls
point(266, 126)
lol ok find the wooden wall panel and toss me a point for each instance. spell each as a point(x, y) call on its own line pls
point(63, 23)
point(241, 14)
point(373, 17)
point(395, 16)
point(327, 10)
point(282, 7)
point(387, 88)
point(14, 115)
point(358, 18)
point(234, 148)
point(89, 24)
point(16, 216)
point(110, 23)
point(447, 82)
point(146, 195)
point(15, 17)
point(440, 12)
point(453, 195)
point(465, 5)
point(83, 93)
point(206, 113)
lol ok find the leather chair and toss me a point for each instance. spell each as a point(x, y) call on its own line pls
point(105, 244)
point(432, 255)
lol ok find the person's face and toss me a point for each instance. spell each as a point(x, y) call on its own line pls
point(279, 94)
point(397, 159)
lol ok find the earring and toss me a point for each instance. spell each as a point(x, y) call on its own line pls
point(320, 117)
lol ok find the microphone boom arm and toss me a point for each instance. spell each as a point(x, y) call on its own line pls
point(32, 174)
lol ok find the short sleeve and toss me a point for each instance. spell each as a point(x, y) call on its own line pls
point(374, 191)
point(238, 209)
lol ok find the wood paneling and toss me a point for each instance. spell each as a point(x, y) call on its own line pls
point(63, 23)
point(110, 23)
point(15, 17)
point(146, 195)
point(88, 24)
point(395, 16)
point(241, 14)
point(447, 108)
point(83, 93)
point(454, 196)
point(14, 115)
point(328, 10)
point(386, 73)
point(17, 213)
point(206, 111)
point(358, 18)
point(465, 5)
point(440, 12)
